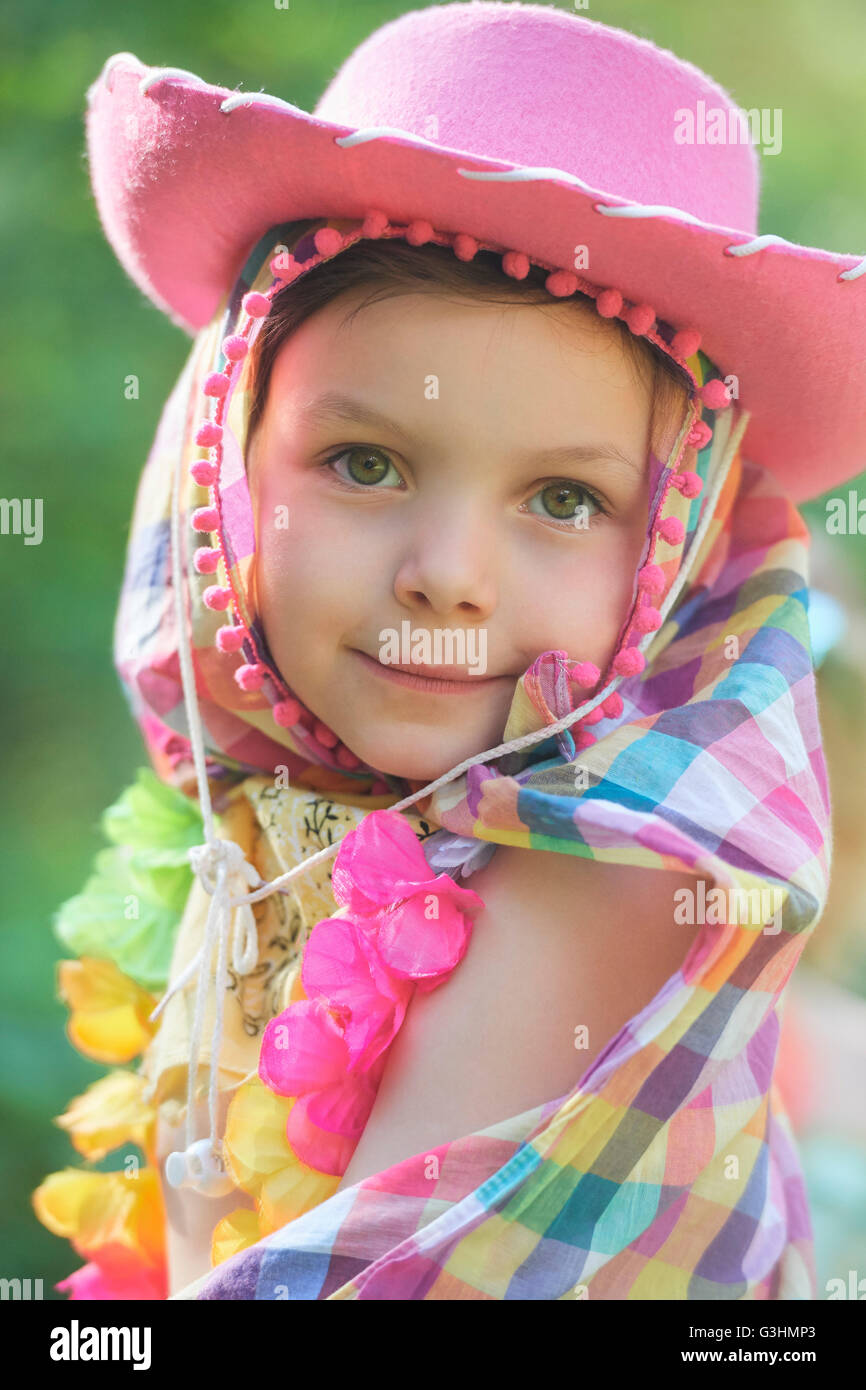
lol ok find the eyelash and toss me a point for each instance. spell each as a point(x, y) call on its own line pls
point(559, 523)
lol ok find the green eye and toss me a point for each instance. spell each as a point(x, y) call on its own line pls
point(365, 466)
point(564, 500)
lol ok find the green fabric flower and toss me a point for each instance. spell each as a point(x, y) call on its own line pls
point(131, 906)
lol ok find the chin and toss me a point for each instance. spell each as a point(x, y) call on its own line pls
point(417, 759)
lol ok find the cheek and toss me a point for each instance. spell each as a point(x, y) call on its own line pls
point(311, 573)
point(593, 593)
point(613, 589)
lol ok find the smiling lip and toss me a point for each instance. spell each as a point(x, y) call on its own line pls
point(423, 678)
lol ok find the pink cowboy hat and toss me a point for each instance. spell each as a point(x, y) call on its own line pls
point(526, 128)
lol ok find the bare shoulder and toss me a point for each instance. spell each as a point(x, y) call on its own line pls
point(599, 937)
point(564, 952)
point(570, 891)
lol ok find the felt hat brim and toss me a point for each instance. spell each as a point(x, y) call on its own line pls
point(187, 176)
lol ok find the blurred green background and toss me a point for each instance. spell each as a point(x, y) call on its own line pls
point(76, 326)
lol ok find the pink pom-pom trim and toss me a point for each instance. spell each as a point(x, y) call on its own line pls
point(585, 674)
point(686, 342)
point(206, 559)
point(647, 619)
point(609, 303)
point(250, 677)
point(516, 265)
point(651, 579)
point(689, 484)
point(583, 739)
point(671, 530)
point(229, 639)
point(205, 519)
point(561, 283)
point(641, 318)
point(325, 736)
point(715, 394)
point(699, 434)
point(217, 597)
point(327, 241)
point(375, 224)
point(204, 471)
point(287, 713)
point(465, 247)
point(613, 705)
point(216, 385)
point(208, 433)
point(419, 232)
point(346, 758)
point(235, 347)
point(284, 267)
point(256, 305)
point(595, 716)
point(629, 662)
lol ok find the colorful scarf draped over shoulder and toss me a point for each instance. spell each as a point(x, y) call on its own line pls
point(669, 1170)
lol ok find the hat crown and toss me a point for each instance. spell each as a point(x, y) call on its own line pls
point(534, 86)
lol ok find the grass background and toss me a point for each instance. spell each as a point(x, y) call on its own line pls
point(75, 326)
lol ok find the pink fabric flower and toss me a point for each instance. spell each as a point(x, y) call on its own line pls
point(303, 1050)
point(321, 1149)
point(381, 863)
point(341, 964)
point(139, 1282)
point(405, 929)
point(324, 1128)
point(424, 937)
point(304, 1054)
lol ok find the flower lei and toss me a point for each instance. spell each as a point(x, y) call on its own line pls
point(398, 930)
point(360, 970)
point(115, 1220)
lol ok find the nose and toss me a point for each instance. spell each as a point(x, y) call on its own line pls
point(448, 565)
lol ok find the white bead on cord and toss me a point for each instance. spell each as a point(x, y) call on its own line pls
point(198, 1167)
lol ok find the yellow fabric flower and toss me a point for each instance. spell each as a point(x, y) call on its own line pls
point(109, 1011)
point(293, 1190)
point(106, 1216)
point(237, 1231)
point(261, 1162)
point(109, 1113)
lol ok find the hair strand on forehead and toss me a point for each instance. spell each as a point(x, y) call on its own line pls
point(390, 268)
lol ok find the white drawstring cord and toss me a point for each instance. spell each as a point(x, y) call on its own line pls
point(216, 865)
point(219, 864)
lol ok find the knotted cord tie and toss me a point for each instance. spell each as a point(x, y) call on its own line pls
point(223, 872)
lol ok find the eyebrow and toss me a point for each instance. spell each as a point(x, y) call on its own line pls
point(334, 405)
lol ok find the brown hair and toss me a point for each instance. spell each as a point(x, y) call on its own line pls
point(394, 267)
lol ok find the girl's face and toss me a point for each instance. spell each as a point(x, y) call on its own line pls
point(444, 467)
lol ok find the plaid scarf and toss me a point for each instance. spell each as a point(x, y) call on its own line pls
point(710, 761)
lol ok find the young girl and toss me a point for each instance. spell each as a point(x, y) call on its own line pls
point(490, 653)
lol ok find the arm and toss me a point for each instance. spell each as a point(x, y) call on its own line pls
point(566, 951)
